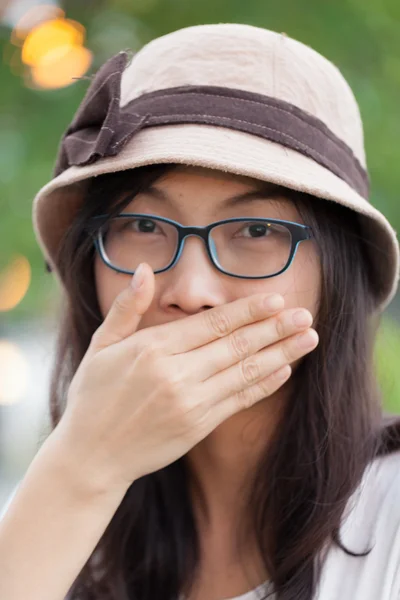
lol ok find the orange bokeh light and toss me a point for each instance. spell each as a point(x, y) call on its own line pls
point(51, 46)
point(14, 283)
point(60, 66)
point(46, 36)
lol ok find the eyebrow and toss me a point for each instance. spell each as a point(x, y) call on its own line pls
point(268, 192)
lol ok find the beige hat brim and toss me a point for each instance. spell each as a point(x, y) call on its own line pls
point(228, 150)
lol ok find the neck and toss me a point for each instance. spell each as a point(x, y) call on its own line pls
point(221, 465)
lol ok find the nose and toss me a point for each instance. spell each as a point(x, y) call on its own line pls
point(193, 284)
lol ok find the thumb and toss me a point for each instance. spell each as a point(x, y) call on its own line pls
point(127, 309)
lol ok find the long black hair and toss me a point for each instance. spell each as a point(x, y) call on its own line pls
point(331, 429)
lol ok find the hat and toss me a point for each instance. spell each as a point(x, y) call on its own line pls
point(232, 97)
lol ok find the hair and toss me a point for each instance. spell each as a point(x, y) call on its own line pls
point(331, 428)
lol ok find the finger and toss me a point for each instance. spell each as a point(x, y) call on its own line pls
point(259, 391)
point(127, 310)
point(202, 328)
point(244, 342)
point(237, 379)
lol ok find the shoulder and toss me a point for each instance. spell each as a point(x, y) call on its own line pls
point(375, 505)
point(381, 483)
point(382, 476)
point(371, 525)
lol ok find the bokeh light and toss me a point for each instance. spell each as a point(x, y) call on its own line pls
point(14, 373)
point(60, 65)
point(57, 34)
point(51, 48)
point(14, 282)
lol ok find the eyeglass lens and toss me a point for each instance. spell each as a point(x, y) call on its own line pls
point(247, 248)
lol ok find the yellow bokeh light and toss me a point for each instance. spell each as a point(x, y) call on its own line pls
point(14, 373)
point(49, 35)
point(14, 283)
point(53, 48)
point(60, 65)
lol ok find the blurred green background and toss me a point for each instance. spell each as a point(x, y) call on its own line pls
point(361, 38)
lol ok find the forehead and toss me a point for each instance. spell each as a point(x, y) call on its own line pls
point(183, 179)
point(192, 191)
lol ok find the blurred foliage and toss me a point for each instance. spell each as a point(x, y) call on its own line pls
point(361, 38)
point(387, 352)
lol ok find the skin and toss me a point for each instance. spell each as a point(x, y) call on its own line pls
point(219, 463)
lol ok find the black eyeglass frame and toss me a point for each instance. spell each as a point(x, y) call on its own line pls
point(298, 231)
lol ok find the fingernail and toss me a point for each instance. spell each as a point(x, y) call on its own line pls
point(274, 302)
point(284, 372)
point(308, 340)
point(138, 278)
point(302, 318)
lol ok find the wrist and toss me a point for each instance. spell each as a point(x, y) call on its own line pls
point(75, 468)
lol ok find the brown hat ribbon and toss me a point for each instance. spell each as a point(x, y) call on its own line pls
point(101, 128)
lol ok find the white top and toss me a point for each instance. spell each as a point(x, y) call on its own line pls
point(372, 517)
point(256, 594)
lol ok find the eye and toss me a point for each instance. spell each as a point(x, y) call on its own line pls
point(143, 225)
point(256, 230)
point(138, 225)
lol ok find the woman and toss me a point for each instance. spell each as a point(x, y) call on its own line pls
point(200, 449)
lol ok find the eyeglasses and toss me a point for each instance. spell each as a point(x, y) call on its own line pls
point(249, 248)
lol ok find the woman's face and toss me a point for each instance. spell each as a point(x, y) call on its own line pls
point(197, 196)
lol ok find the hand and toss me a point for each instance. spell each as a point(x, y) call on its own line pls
point(142, 399)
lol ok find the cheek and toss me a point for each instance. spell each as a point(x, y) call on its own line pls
point(109, 284)
point(304, 280)
point(299, 285)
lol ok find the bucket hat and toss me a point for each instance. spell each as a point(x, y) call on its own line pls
point(233, 97)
